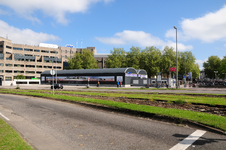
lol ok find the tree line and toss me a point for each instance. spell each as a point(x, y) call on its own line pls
point(151, 59)
point(214, 63)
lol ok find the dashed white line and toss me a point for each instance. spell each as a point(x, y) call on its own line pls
point(4, 117)
point(189, 140)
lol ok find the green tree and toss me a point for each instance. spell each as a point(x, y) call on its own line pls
point(117, 59)
point(83, 60)
point(133, 57)
point(168, 59)
point(20, 77)
point(150, 59)
point(187, 63)
point(195, 70)
point(222, 68)
point(212, 64)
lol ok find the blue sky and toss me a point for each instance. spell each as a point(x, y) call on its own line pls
point(105, 24)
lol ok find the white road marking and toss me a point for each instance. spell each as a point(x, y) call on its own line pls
point(189, 140)
point(4, 117)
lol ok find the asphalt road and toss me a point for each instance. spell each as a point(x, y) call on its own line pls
point(132, 89)
point(52, 125)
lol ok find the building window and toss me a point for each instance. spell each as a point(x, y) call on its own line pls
point(1, 46)
point(36, 50)
point(26, 49)
point(1, 71)
point(8, 71)
point(55, 52)
point(9, 47)
point(30, 72)
point(17, 71)
point(44, 51)
point(38, 66)
point(17, 48)
point(8, 78)
point(8, 65)
point(18, 65)
point(1, 64)
point(30, 66)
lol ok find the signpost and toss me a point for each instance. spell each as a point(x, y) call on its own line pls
point(185, 84)
point(52, 72)
point(88, 82)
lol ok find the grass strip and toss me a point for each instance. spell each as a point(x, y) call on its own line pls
point(189, 99)
point(199, 117)
point(166, 97)
point(10, 139)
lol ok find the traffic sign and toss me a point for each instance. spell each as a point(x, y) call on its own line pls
point(172, 69)
point(52, 72)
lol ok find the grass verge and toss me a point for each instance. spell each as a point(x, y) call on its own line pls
point(166, 97)
point(199, 117)
point(10, 139)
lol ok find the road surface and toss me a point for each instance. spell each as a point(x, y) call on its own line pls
point(49, 124)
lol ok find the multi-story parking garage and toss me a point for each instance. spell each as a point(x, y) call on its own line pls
point(30, 61)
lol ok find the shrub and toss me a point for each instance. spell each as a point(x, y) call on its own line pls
point(179, 101)
point(169, 102)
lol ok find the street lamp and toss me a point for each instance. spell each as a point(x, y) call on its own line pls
point(185, 71)
point(176, 60)
point(56, 65)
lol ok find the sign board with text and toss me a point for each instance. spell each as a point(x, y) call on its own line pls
point(173, 69)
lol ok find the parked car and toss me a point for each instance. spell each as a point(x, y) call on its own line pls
point(57, 86)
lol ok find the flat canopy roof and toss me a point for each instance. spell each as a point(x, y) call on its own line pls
point(93, 71)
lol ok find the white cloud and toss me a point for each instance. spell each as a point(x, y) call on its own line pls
point(180, 35)
point(140, 38)
point(208, 28)
point(180, 46)
point(132, 37)
point(225, 45)
point(200, 63)
point(53, 8)
point(25, 36)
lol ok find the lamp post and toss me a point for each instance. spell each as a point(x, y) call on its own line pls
point(56, 65)
point(176, 60)
point(185, 71)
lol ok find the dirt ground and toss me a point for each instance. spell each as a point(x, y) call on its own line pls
point(218, 110)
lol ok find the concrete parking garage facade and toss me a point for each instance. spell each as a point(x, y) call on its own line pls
point(30, 60)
